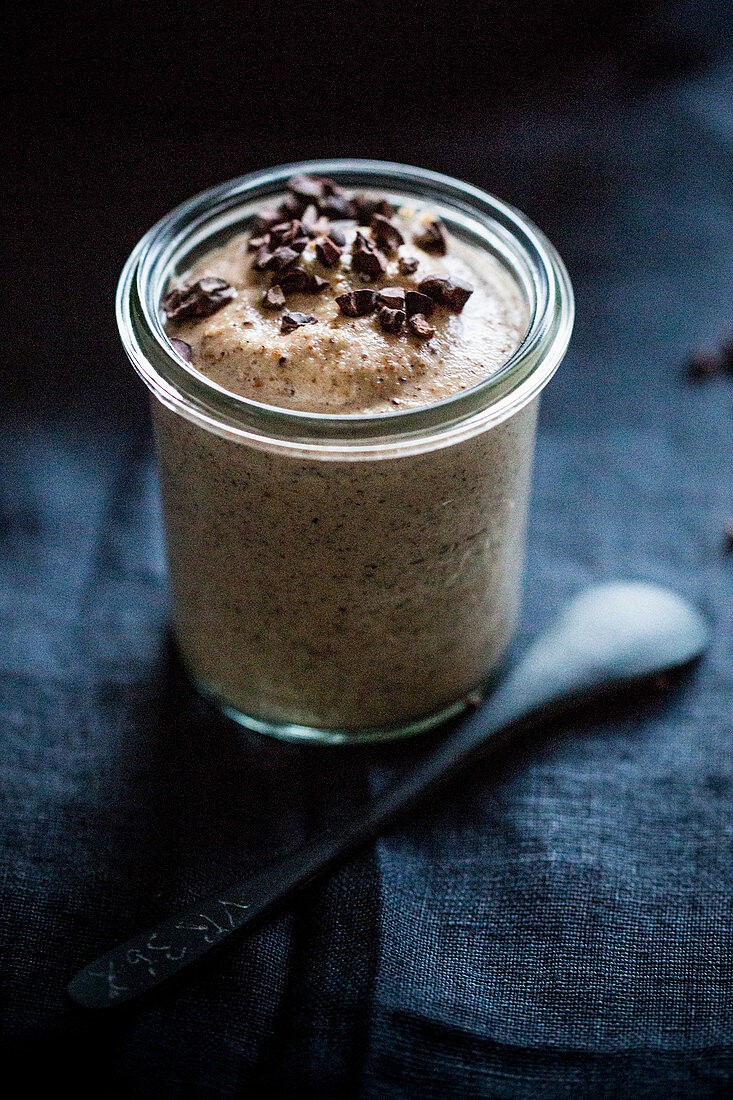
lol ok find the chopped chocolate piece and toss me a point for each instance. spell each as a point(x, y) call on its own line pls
point(702, 364)
point(263, 258)
point(330, 187)
point(418, 326)
point(337, 235)
point(308, 219)
point(365, 258)
point(418, 303)
point(370, 264)
point(392, 296)
point(728, 537)
point(336, 206)
point(297, 281)
point(446, 293)
point(292, 233)
point(268, 216)
point(274, 298)
point(292, 206)
point(309, 188)
point(282, 257)
point(183, 349)
point(456, 295)
point(408, 265)
point(387, 236)
point(327, 251)
point(392, 320)
point(357, 303)
point(366, 206)
point(283, 232)
point(432, 239)
point(255, 243)
point(293, 281)
point(291, 321)
point(200, 299)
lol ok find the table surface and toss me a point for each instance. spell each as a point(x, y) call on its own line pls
point(559, 922)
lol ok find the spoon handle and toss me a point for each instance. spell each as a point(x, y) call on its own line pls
point(609, 635)
point(152, 957)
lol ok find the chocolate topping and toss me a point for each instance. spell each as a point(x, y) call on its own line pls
point(336, 235)
point(446, 292)
point(392, 320)
point(282, 257)
point(183, 349)
point(292, 206)
point(327, 251)
point(387, 236)
point(357, 303)
point(291, 321)
point(308, 188)
point(298, 281)
point(432, 239)
point(274, 298)
point(268, 216)
point(285, 232)
point(365, 259)
point(415, 302)
point(200, 299)
point(366, 206)
point(337, 206)
point(408, 265)
point(418, 326)
point(392, 296)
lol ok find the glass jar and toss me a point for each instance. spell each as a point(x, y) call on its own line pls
point(354, 577)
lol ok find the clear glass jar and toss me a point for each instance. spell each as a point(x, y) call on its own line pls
point(344, 578)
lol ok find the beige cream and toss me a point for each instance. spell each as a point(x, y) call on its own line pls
point(348, 364)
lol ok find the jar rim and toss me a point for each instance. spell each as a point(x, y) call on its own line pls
point(512, 237)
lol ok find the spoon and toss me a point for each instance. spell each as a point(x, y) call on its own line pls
point(608, 636)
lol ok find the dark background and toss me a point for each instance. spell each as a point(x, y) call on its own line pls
point(561, 924)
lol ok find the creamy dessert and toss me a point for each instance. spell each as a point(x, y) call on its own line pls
point(380, 312)
point(353, 596)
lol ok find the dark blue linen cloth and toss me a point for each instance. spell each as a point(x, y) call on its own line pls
point(559, 923)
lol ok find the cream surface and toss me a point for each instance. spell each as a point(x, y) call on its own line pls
point(343, 364)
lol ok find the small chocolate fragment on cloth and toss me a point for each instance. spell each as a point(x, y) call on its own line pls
point(200, 299)
point(702, 364)
point(728, 537)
